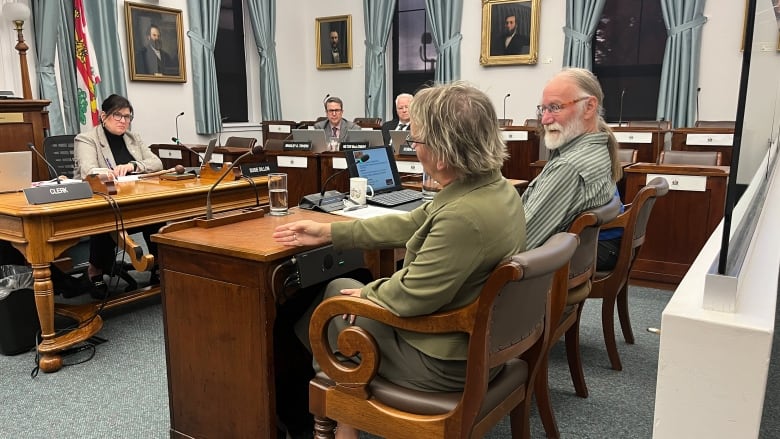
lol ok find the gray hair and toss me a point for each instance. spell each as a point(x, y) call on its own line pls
point(403, 95)
point(587, 83)
point(458, 124)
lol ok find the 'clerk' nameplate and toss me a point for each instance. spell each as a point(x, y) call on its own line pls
point(296, 146)
point(58, 192)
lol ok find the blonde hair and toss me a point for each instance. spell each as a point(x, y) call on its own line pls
point(458, 124)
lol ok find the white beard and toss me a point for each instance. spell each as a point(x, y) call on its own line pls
point(557, 135)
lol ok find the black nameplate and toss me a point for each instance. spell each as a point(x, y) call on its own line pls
point(406, 150)
point(58, 192)
point(296, 146)
point(258, 169)
point(346, 146)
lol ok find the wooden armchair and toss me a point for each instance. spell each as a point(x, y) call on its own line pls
point(506, 326)
point(571, 286)
point(612, 286)
point(627, 155)
point(707, 158)
point(505, 122)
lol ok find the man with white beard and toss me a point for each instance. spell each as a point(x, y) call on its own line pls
point(583, 165)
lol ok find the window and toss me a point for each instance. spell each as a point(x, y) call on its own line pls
point(628, 51)
point(414, 54)
point(231, 62)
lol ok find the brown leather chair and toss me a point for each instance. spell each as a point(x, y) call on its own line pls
point(571, 287)
point(274, 145)
point(612, 286)
point(707, 158)
point(369, 122)
point(240, 142)
point(505, 122)
point(535, 123)
point(659, 124)
point(627, 155)
point(715, 124)
point(507, 326)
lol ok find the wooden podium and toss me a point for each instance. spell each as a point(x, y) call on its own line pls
point(705, 139)
point(682, 221)
point(24, 121)
point(522, 144)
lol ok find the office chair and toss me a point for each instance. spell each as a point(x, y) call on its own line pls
point(506, 326)
point(240, 142)
point(627, 155)
point(706, 158)
point(58, 151)
point(612, 286)
point(534, 122)
point(715, 124)
point(505, 122)
point(571, 286)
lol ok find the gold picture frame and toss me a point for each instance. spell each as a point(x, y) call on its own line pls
point(146, 23)
point(331, 54)
point(499, 18)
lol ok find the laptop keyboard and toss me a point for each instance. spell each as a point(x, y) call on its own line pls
point(396, 198)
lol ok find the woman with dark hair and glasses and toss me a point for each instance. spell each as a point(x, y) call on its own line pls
point(111, 146)
point(452, 243)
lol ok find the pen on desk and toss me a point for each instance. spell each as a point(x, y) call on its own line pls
point(108, 163)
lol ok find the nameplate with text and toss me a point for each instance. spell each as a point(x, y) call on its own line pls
point(258, 169)
point(297, 146)
point(406, 150)
point(58, 192)
point(346, 146)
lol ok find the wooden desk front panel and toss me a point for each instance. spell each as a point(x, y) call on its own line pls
point(172, 155)
point(300, 180)
point(680, 224)
point(680, 137)
point(522, 153)
point(339, 182)
point(24, 121)
point(646, 151)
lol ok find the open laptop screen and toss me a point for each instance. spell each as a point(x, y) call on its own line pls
point(377, 165)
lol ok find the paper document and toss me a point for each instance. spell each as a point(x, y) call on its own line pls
point(369, 212)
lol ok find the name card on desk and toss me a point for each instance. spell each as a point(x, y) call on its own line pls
point(633, 137)
point(286, 161)
point(58, 192)
point(346, 146)
point(710, 139)
point(339, 163)
point(296, 146)
point(169, 153)
point(406, 150)
point(274, 128)
point(514, 136)
point(258, 169)
point(689, 183)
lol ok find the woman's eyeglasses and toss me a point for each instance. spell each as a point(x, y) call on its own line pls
point(411, 143)
point(119, 117)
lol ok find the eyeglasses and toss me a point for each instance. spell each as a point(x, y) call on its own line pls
point(334, 110)
point(556, 108)
point(119, 117)
point(411, 143)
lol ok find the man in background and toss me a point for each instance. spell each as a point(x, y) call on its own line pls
point(583, 165)
point(510, 42)
point(335, 126)
point(152, 59)
point(335, 52)
point(401, 122)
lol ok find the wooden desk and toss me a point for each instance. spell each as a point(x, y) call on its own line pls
point(705, 139)
point(43, 232)
point(523, 146)
point(219, 313)
point(681, 221)
point(648, 141)
point(24, 121)
point(303, 172)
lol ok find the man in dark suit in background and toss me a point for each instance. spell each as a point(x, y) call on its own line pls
point(336, 51)
point(510, 41)
point(152, 59)
point(401, 122)
point(335, 126)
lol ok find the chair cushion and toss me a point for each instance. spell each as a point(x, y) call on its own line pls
point(512, 377)
point(578, 294)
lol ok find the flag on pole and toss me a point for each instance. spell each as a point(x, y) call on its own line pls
point(87, 75)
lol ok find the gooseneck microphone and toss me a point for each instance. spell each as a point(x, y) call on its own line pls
point(255, 150)
point(698, 90)
point(505, 97)
point(325, 184)
point(219, 134)
point(52, 169)
point(325, 98)
point(620, 113)
point(177, 141)
point(177, 123)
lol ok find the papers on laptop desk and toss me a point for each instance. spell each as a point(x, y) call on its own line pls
point(369, 212)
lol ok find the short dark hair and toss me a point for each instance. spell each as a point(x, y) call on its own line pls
point(334, 99)
point(153, 26)
point(114, 103)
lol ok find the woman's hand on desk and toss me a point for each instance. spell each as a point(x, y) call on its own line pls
point(300, 233)
point(122, 170)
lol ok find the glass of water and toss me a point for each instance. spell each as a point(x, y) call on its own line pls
point(277, 193)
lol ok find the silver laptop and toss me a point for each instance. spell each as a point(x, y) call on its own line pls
point(15, 171)
point(398, 138)
point(319, 142)
point(372, 137)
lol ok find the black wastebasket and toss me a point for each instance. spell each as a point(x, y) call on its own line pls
point(19, 324)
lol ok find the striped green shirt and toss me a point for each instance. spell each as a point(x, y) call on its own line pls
point(577, 177)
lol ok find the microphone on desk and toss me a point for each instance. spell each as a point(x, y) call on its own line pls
point(257, 149)
point(368, 98)
point(219, 133)
point(177, 141)
point(177, 123)
point(51, 168)
point(698, 91)
point(620, 113)
point(505, 97)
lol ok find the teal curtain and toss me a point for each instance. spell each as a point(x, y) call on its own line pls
point(378, 17)
point(66, 54)
point(204, 19)
point(582, 18)
point(101, 20)
point(445, 19)
point(262, 14)
point(46, 15)
point(680, 72)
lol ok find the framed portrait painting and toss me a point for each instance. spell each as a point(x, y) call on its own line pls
point(334, 42)
point(510, 32)
point(155, 43)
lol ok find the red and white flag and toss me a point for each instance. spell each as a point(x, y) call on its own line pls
point(87, 75)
